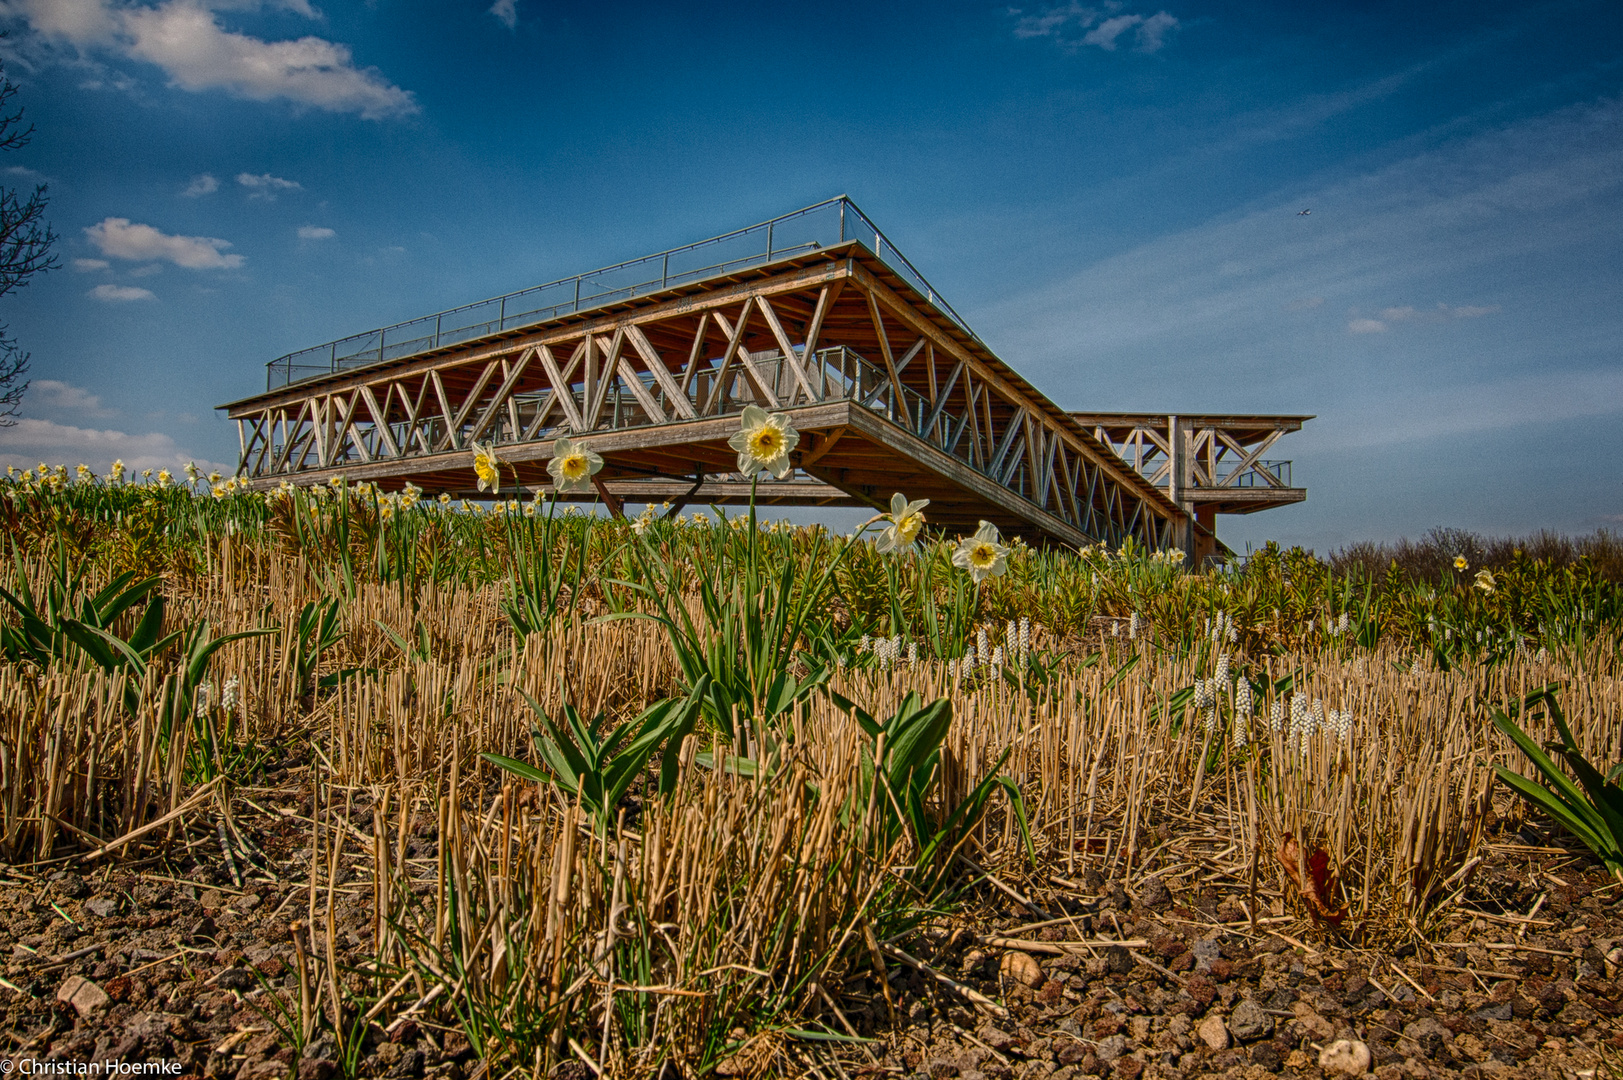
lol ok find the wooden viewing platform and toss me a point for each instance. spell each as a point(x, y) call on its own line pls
point(649, 363)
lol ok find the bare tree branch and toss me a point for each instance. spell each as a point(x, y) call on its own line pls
point(25, 248)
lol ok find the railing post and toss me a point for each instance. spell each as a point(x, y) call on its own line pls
point(665, 271)
point(769, 241)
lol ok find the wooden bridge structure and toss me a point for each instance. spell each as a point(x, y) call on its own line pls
point(814, 314)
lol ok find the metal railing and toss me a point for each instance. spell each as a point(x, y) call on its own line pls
point(1250, 478)
point(824, 224)
point(1279, 470)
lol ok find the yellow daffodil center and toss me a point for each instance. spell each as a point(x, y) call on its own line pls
point(908, 526)
point(484, 467)
point(983, 555)
point(1460, 563)
point(766, 442)
point(574, 466)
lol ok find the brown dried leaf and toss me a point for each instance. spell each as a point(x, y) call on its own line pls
point(1318, 885)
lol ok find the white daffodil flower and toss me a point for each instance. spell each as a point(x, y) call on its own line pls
point(982, 554)
point(487, 467)
point(763, 442)
point(572, 467)
point(906, 521)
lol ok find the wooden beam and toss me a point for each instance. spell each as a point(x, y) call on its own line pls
point(1054, 417)
point(907, 357)
point(502, 394)
point(884, 351)
point(790, 358)
point(640, 392)
point(695, 354)
point(610, 500)
point(560, 386)
point(821, 445)
point(450, 438)
point(793, 281)
point(379, 421)
point(940, 399)
point(1250, 459)
point(288, 434)
point(827, 297)
point(662, 375)
point(347, 411)
point(1010, 432)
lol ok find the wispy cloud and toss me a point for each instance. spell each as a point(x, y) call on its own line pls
point(265, 186)
point(34, 440)
point(89, 266)
point(186, 40)
point(1442, 313)
point(1074, 26)
point(55, 396)
point(506, 12)
point(120, 294)
point(121, 239)
point(1460, 408)
point(1495, 222)
point(201, 185)
point(315, 232)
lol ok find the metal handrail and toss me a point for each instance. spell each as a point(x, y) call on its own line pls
point(825, 224)
point(1249, 478)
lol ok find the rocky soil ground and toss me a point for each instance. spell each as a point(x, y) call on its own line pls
point(172, 960)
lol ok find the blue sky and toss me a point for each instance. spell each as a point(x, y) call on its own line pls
point(1108, 192)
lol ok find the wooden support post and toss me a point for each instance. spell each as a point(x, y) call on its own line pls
point(610, 499)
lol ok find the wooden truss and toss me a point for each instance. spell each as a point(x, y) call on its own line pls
point(1212, 462)
point(888, 394)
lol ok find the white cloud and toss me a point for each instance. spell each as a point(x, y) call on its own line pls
point(82, 22)
point(121, 239)
point(315, 232)
point(1105, 34)
point(87, 266)
point(265, 186)
point(186, 40)
point(200, 186)
point(1153, 31)
point(1366, 326)
point(506, 12)
point(1098, 26)
point(120, 294)
point(1440, 314)
point(26, 173)
point(1433, 412)
point(31, 441)
point(56, 396)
